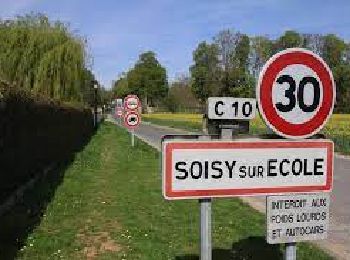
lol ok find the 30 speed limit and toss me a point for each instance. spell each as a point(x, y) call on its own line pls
point(296, 93)
point(231, 108)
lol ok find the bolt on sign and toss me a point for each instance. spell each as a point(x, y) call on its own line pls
point(294, 218)
point(231, 108)
point(202, 169)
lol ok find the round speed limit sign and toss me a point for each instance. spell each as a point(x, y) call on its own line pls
point(296, 93)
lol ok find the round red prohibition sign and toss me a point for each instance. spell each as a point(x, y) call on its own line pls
point(132, 119)
point(296, 93)
point(132, 102)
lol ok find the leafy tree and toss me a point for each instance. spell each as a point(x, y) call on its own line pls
point(289, 39)
point(261, 51)
point(333, 50)
point(148, 79)
point(180, 96)
point(43, 57)
point(205, 71)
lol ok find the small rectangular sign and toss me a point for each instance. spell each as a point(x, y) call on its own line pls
point(231, 108)
point(294, 218)
point(199, 169)
point(119, 102)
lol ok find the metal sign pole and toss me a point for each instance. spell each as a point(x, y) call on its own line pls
point(291, 251)
point(206, 246)
point(132, 138)
point(205, 228)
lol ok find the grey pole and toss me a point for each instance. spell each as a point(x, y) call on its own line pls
point(205, 228)
point(291, 251)
point(132, 138)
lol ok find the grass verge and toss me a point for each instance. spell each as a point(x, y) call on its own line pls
point(109, 206)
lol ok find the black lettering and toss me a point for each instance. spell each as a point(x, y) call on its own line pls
point(284, 173)
point(242, 173)
point(299, 169)
point(199, 173)
point(184, 171)
point(216, 169)
point(305, 168)
point(289, 93)
point(316, 100)
point(230, 167)
point(206, 169)
point(271, 167)
point(318, 166)
point(217, 108)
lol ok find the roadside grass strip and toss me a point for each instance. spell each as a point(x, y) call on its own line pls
point(110, 206)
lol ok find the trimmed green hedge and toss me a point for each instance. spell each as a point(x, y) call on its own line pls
point(34, 133)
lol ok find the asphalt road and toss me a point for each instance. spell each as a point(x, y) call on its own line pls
point(338, 242)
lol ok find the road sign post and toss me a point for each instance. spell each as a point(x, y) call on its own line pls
point(296, 95)
point(132, 118)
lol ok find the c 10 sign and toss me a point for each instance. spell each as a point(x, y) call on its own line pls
point(231, 108)
point(195, 169)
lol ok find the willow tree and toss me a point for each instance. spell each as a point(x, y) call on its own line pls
point(43, 57)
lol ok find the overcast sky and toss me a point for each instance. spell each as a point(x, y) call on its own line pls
point(118, 31)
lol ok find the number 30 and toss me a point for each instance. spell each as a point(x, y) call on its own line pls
point(293, 98)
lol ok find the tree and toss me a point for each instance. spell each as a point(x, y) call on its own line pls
point(333, 50)
point(148, 79)
point(180, 96)
point(261, 51)
point(205, 71)
point(120, 88)
point(43, 57)
point(289, 39)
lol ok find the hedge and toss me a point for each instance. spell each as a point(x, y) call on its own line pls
point(35, 133)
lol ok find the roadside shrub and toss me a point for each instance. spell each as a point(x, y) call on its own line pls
point(34, 133)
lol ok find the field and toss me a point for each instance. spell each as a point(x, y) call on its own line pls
point(337, 128)
point(110, 206)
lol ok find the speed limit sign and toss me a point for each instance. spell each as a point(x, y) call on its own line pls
point(296, 93)
point(132, 119)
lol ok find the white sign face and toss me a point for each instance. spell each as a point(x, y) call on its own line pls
point(195, 169)
point(119, 102)
point(132, 102)
point(294, 218)
point(132, 120)
point(296, 93)
point(231, 108)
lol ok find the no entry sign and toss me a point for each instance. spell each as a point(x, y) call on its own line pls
point(132, 119)
point(200, 169)
point(296, 93)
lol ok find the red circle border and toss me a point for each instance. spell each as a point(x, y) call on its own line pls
point(280, 61)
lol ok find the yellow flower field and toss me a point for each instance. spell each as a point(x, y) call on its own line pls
point(337, 128)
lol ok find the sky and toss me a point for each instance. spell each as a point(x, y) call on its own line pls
point(118, 31)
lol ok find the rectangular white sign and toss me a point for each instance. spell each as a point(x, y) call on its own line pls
point(195, 169)
point(231, 108)
point(294, 218)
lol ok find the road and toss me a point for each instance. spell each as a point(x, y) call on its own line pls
point(338, 242)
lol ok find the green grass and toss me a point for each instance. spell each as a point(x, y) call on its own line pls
point(185, 125)
point(110, 205)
